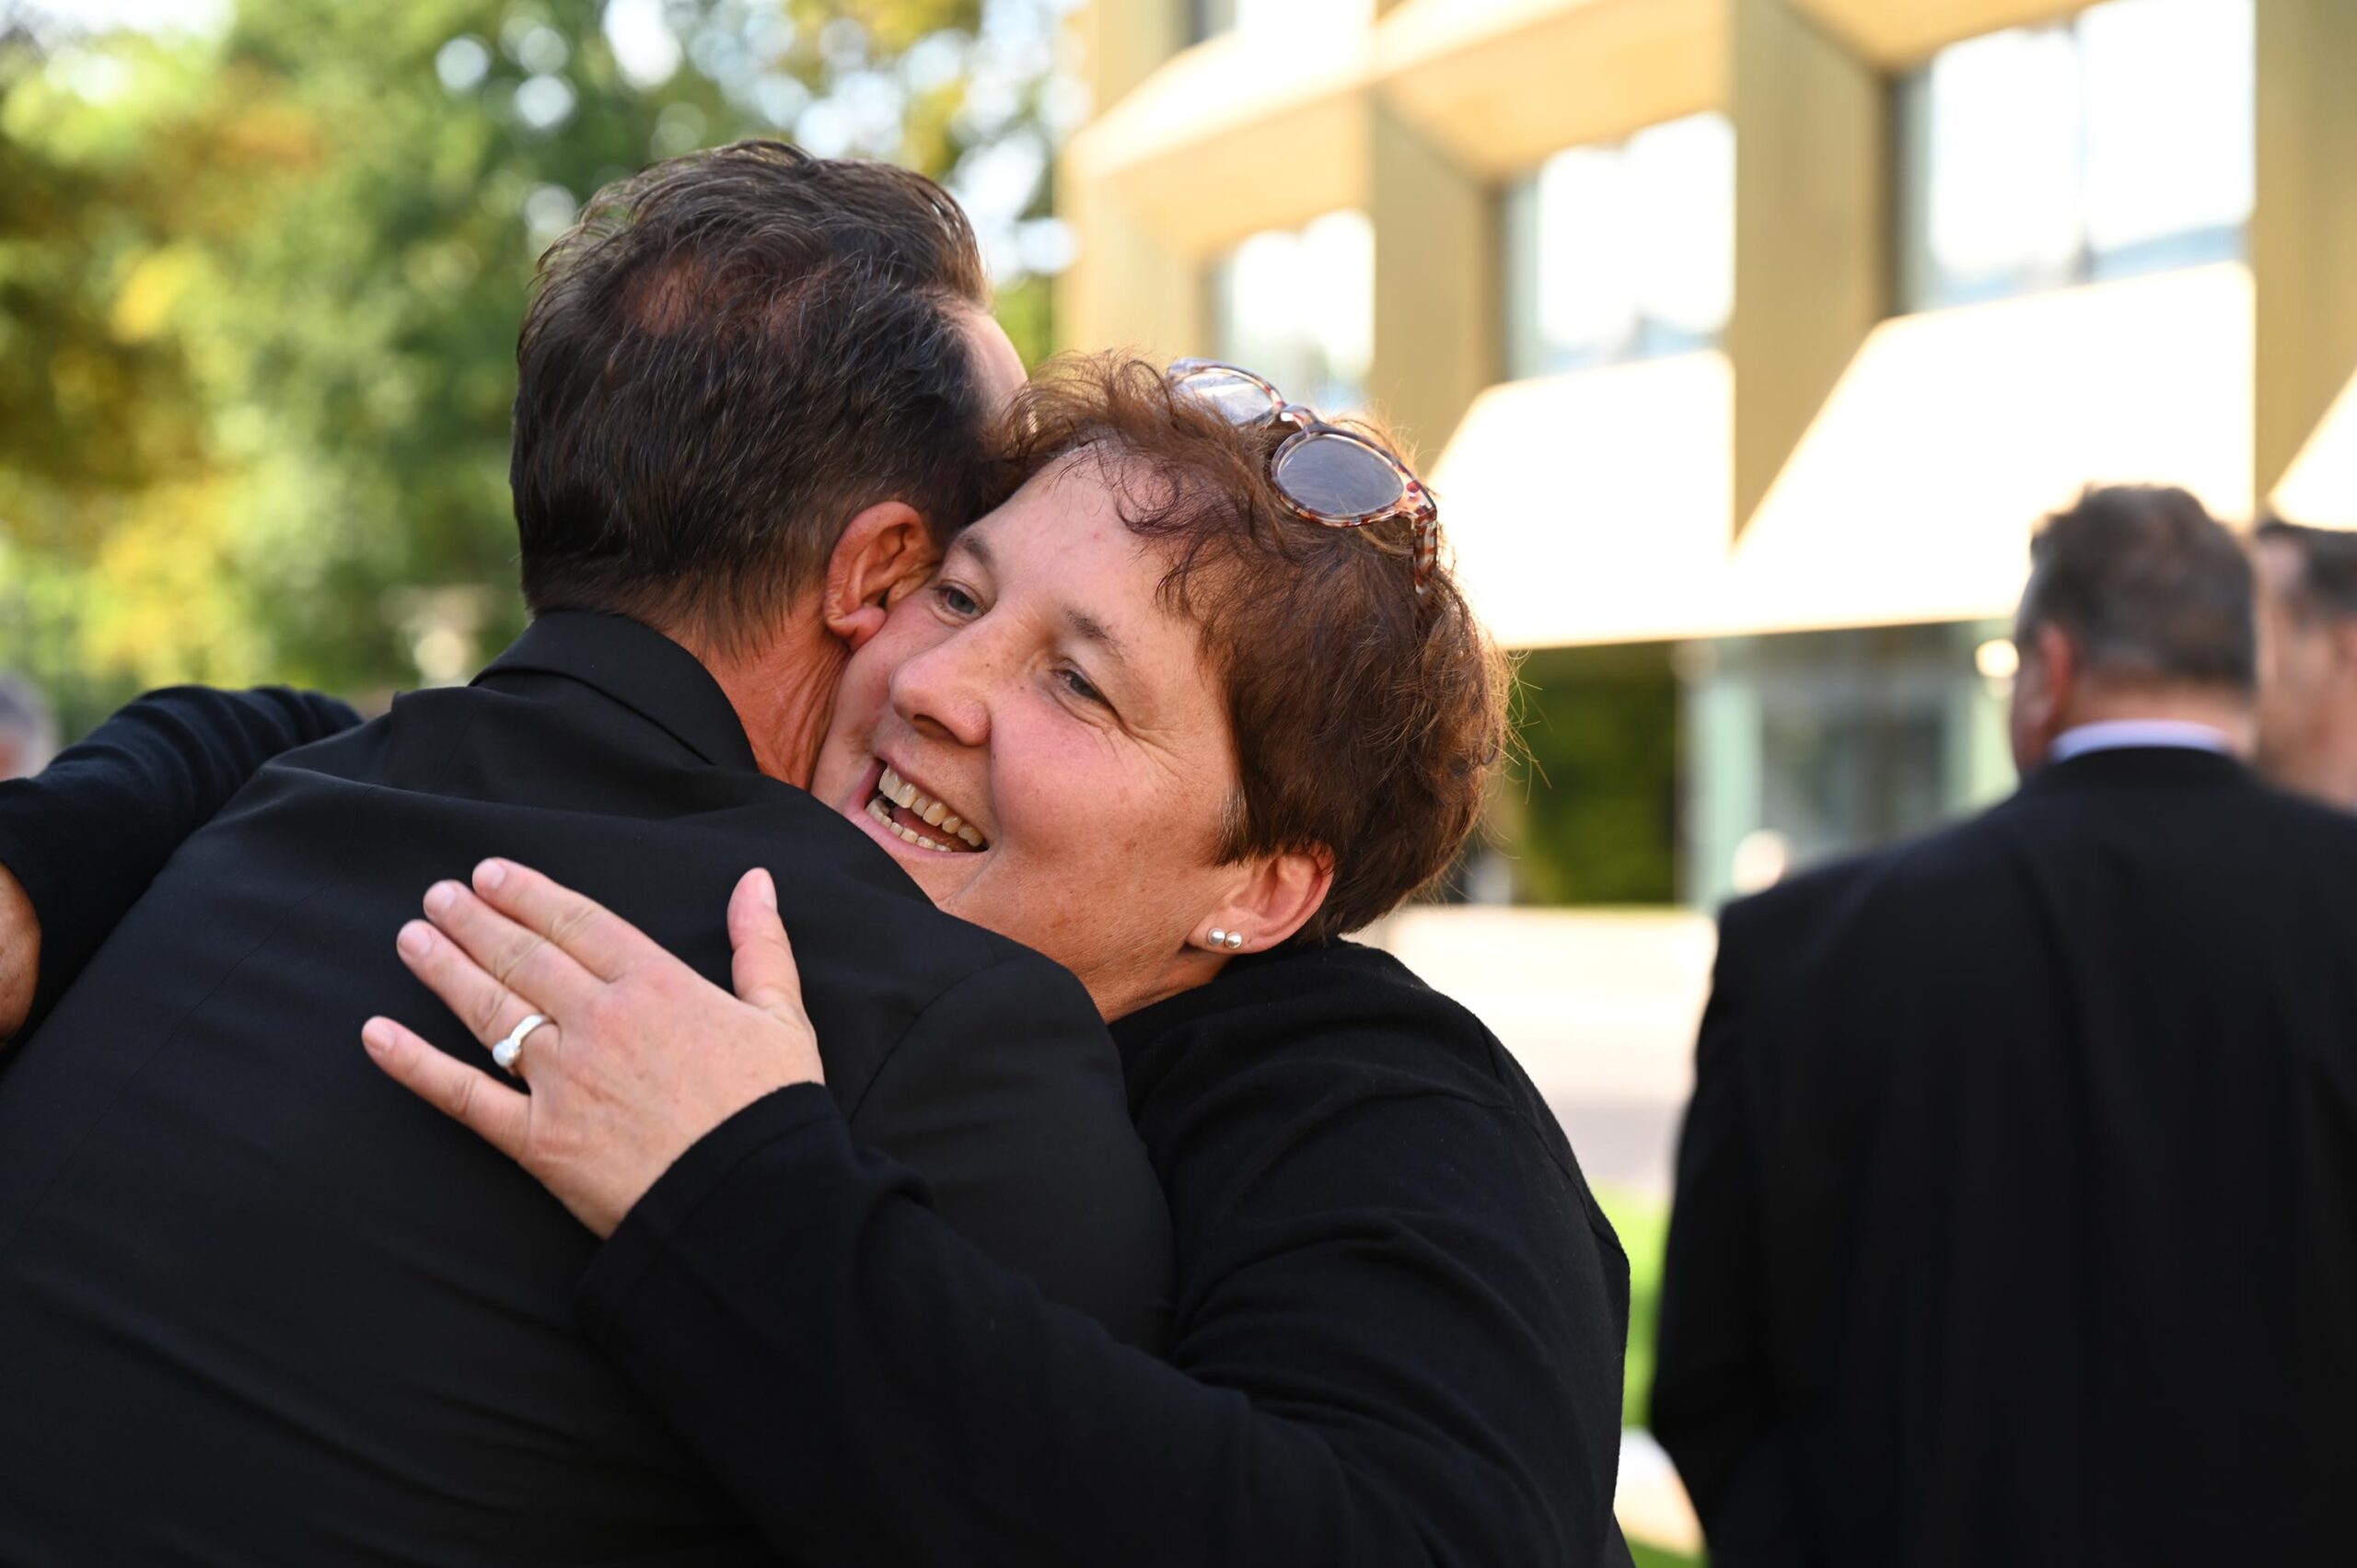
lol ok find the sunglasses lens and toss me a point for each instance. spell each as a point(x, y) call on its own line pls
point(1238, 399)
point(1338, 478)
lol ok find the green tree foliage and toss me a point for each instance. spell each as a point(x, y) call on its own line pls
point(259, 290)
point(1593, 813)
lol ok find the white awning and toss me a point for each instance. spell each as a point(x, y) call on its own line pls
point(1913, 496)
point(2320, 487)
point(1593, 507)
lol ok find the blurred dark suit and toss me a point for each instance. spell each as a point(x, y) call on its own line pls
point(2016, 1218)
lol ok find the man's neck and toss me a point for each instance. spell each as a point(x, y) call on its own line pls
point(2335, 763)
point(783, 692)
point(2325, 770)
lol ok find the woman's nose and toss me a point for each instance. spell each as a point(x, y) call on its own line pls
point(944, 691)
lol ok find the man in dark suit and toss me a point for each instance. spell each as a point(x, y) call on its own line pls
point(260, 1304)
point(2016, 1213)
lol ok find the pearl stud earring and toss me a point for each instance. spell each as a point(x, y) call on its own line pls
point(1232, 940)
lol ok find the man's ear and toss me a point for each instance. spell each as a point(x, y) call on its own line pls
point(885, 552)
point(2058, 658)
point(2045, 688)
point(1272, 899)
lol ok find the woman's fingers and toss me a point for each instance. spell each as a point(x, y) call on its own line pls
point(489, 1009)
point(498, 1114)
point(764, 969)
point(631, 1072)
point(515, 972)
point(593, 936)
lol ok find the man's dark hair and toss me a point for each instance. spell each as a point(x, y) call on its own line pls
point(2327, 586)
point(727, 358)
point(2148, 585)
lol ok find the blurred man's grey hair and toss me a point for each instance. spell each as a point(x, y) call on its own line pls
point(28, 728)
point(2327, 588)
point(2150, 587)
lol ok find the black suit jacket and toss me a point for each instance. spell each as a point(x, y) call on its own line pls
point(260, 1304)
point(2016, 1216)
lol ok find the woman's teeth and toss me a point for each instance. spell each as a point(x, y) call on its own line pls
point(893, 790)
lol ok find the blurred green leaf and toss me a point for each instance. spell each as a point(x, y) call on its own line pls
point(259, 293)
point(1592, 814)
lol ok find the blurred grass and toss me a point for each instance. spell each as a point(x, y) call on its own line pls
point(1643, 1223)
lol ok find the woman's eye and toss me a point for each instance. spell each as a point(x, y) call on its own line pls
point(956, 600)
point(1078, 684)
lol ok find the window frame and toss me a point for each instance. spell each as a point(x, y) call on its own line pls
point(1920, 284)
point(1523, 355)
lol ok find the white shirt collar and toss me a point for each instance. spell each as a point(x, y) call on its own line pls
point(2111, 735)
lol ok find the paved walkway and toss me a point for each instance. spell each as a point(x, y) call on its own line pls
point(1650, 1503)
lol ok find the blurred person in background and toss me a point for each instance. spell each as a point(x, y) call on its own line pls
point(28, 728)
point(2308, 685)
point(2016, 1204)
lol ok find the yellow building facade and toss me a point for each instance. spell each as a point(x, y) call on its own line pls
point(1853, 417)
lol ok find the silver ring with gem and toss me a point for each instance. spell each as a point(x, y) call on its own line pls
point(505, 1053)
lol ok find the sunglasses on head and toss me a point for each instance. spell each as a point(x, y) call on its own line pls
point(1323, 473)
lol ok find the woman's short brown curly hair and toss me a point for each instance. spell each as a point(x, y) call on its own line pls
point(1366, 720)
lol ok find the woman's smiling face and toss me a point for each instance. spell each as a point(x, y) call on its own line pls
point(1040, 742)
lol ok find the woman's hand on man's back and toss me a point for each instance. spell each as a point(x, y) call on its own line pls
point(612, 1103)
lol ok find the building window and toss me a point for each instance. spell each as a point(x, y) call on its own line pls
point(1299, 306)
point(1623, 251)
point(1808, 746)
point(2116, 142)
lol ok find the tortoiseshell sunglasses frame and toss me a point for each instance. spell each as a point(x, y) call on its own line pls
point(1416, 502)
